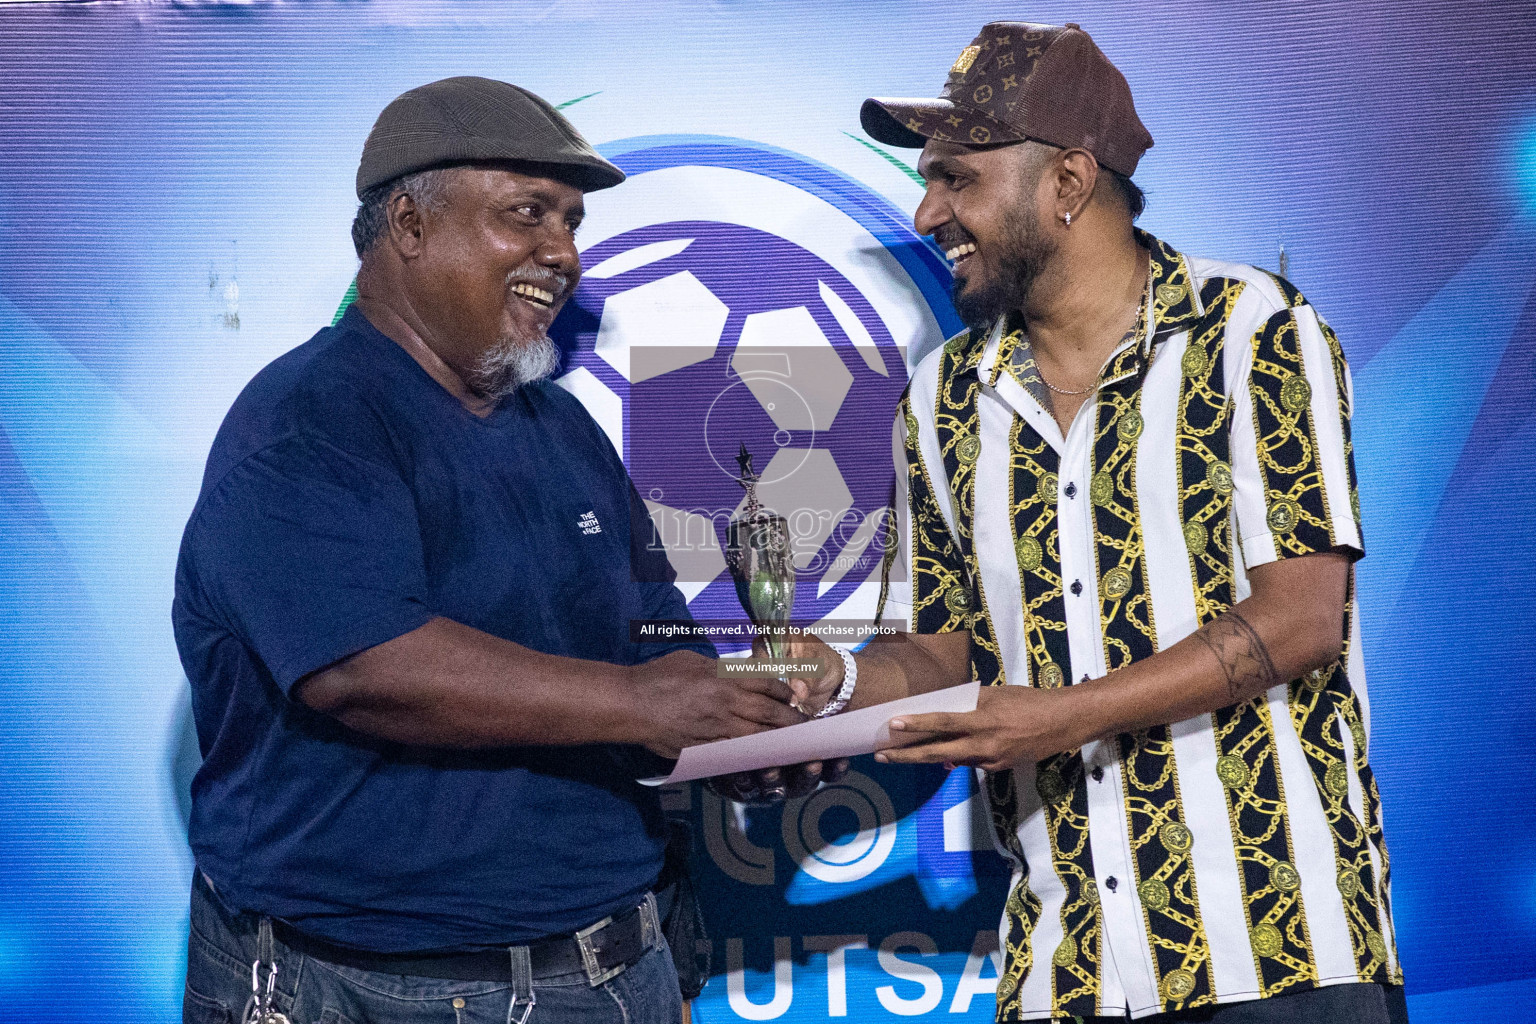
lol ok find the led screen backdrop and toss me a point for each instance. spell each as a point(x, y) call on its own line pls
point(175, 194)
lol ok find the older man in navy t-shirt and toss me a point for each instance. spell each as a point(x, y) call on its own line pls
point(404, 603)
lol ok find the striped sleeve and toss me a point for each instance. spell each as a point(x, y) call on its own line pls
point(925, 581)
point(1292, 464)
point(895, 608)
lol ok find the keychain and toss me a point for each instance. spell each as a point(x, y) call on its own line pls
point(258, 1009)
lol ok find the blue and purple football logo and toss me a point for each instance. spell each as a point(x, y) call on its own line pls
point(731, 299)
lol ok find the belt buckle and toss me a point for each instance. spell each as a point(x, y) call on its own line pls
point(650, 932)
point(596, 975)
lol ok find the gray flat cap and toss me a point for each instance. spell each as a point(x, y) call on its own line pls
point(467, 119)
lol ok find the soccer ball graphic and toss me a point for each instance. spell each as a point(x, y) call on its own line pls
point(689, 339)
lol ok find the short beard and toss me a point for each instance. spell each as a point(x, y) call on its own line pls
point(513, 361)
point(1025, 253)
point(518, 359)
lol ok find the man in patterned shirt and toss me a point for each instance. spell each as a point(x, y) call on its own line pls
point(1131, 498)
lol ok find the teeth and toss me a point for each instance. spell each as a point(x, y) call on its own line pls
point(965, 249)
point(528, 291)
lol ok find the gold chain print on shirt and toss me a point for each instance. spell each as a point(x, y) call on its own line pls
point(957, 425)
point(1247, 762)
point(1160, 840)
point(1351, 716)
point(940, 595)
point(1298, 516)
point(1059, 780)
point(1296, 501)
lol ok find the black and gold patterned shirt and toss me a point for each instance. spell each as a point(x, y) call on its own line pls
point(1232, 856)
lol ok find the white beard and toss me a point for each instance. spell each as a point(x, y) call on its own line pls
point(512, 362)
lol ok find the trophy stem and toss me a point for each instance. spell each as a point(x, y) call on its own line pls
point(758, 556)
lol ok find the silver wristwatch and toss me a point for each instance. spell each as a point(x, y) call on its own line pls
point(844, 693)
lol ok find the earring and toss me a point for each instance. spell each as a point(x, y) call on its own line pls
point(1068, 218)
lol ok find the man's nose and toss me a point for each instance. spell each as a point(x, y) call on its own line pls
point(931, 214)
point(558, 253)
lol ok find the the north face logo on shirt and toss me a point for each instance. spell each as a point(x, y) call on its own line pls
point(588, 523)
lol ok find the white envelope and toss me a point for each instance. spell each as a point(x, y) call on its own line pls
point(853, 732)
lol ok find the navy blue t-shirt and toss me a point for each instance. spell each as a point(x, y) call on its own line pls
point(348, 499)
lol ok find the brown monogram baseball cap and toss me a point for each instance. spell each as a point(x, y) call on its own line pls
point(1020, 81)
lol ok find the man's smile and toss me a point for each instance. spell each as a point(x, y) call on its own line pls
point(534, 295)
point(959, 252)
point(959, 245)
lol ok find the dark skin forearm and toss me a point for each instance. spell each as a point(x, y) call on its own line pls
point(892, 666)
point(449, 685)
point(1292, 623)
point(445, 685)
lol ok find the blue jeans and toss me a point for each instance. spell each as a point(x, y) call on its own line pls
point(223, 944)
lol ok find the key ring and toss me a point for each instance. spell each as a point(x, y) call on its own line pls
point(258, 1008)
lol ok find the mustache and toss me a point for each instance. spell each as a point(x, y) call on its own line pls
point(532, 273)
point(949, 236)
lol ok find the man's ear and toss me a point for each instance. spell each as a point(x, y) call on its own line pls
point(1077, 172)
point(404, 219)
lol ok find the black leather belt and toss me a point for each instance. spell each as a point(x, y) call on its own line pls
point(600, 951)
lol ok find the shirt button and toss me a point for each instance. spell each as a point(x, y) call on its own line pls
point(1077, 587)
point(1111, 883)
point(1098, 774)
point(1071, 490)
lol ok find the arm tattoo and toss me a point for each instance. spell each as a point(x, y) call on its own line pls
point(1242, 654)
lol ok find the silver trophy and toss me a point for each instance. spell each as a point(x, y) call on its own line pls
point(757, 553)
